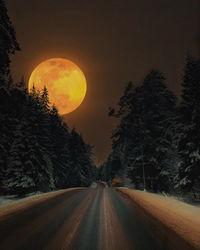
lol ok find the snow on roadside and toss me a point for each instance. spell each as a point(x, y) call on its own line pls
point(13, 206)
point(184, 199)
point(180, 217)
point(6, 199)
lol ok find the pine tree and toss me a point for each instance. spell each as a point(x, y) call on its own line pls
point(37, 152)
point(60, 138)
point(39, 104)
point(159, 111)
point(189, 146)
point(35, 145)
point(4, 133)
point(29, 166)
point(145, 113)
point(80, 155)
point(11, 104)
point(8, 44)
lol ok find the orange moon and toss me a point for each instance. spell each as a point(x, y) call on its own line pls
point(65, 82)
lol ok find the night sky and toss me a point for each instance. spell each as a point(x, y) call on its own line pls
point(113, 42)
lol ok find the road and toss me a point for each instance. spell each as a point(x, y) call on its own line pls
point(86, 219)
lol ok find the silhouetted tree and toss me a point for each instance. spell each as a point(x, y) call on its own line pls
point(8, 44)
point(37, 152)
point(189, 144)
point(60, 156)
point(81, 174)
point(139, 141)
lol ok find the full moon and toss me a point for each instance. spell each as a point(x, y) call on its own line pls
point(65, 82)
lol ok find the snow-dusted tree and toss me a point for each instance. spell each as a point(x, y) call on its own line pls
point(171, 161)
point(189, 145)
point(80, 155)
point(145, 113)
point(29, 165)
point(11, 103)
point(35, 145)
point(41, 154)
point(60, 156)
point(37, 113)
point(4, 133)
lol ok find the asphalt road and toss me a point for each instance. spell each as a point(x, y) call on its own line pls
point(87, 219)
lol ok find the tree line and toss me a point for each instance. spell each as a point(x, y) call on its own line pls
point(157, 140)
point(38, 152)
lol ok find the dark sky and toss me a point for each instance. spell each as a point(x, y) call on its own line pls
point(113, 42)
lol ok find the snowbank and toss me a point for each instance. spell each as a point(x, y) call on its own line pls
point(21, 204)
point(179, 220)
point(7, 199)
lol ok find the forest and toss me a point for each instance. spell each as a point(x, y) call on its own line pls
point(156, 143)
point(38, 152)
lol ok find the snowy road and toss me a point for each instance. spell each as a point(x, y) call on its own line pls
point(93, 218)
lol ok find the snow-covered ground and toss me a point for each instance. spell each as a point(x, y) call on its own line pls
point(180, 217)
point(189, 198)
point(185, 199)
point(6, 199)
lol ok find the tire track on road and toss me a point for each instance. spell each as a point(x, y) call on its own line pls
point(62, 239)
point(41, 238)
point(87, 235)
point(28, 222)
point(112, 236)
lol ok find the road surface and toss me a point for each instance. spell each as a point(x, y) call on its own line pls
point(86, 219)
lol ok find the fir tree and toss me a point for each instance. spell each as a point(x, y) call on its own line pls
point(8, 44)
point(189, 146)
point(145, 113)
point(37, 152)
point(60, 138)
point(80, 153)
